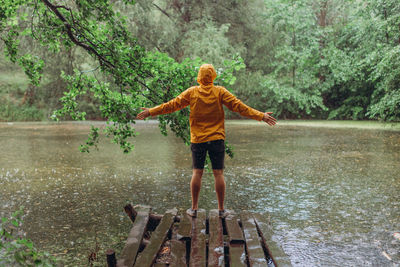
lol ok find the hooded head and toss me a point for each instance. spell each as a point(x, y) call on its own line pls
point(206, 75)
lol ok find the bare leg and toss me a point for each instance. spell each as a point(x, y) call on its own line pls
point(220, 187)
point(195, 185)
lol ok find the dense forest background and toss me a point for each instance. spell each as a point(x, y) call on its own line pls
point(323, 59)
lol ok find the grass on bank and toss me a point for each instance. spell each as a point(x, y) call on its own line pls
point(13, 85)
point(375, 125)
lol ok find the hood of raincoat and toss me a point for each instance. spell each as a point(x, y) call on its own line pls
point(207, 75)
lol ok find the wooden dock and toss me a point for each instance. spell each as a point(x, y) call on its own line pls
point(177, 240)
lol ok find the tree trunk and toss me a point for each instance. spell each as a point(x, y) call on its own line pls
point(387, 33)
point(29, 95)
point(321, 15)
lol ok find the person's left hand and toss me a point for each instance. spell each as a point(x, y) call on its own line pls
point(269, 119)
point(144, 114)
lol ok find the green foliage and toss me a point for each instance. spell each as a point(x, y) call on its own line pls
point(11, 112)
point(15, 249)
point(293, 88)
point(303, 59)
point(127, 77)
point(386, 76)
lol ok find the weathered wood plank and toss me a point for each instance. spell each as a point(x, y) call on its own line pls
point(198, 243)
point(178, 253)
point(237, 255)
point(275, 251)
point(235, 233)
point(129, 252)
point(148, 256)
point(215, 240)
point(185, 227)
point(255, 251)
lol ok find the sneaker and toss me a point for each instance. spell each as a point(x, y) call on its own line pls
point(223, 213)
point(191, 212)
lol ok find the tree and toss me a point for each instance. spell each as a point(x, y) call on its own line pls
point(362, 63)
point(125, 76)
point(294, 85)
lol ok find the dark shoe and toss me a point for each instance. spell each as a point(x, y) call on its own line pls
point(223, 213)
point(191, 212)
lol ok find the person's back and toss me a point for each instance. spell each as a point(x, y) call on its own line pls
point(206, 114)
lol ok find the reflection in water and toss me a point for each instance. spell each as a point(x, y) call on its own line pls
point(332, 194)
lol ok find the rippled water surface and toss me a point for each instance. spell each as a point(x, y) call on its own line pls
point(332, 194)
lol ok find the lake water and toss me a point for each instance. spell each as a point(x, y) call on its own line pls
point(332, 194)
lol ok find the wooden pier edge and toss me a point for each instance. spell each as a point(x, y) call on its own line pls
point(173, 239)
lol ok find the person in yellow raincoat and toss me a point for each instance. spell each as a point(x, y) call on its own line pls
point(207, 128)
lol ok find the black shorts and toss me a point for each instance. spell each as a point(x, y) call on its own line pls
point(216, 151)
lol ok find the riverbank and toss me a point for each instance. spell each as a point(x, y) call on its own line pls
point(373, 125)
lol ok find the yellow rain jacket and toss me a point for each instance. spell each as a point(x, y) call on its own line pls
point(206, 113)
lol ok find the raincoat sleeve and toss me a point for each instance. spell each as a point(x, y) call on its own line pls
point(173, 105)
point(235, 105)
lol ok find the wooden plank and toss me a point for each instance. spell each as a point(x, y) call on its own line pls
point(235, 233)
point(178, 253)
point(275, 251)
point(185, 227)
point(237, 255)
point(215, 240)
point(255, 251)
point(198, 242)
point(148, 256)
point(129, 252)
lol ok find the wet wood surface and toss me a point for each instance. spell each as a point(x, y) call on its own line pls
point(185, 227)
point(129, 252)
point(198, 244)
point(240, 240)
point(278, 256)
point(178, 253)
point(235, 233)
point(255, 252)
point(215, 240)
point(158, 237)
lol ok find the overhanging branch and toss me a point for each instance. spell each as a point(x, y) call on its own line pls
point(71, 35)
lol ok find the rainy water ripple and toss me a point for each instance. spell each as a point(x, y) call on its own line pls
point(332, 195)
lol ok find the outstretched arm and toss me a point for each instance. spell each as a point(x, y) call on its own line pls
point(236, 105)
point(173, 105)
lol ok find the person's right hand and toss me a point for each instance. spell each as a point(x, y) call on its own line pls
point(269, 119)
point(144, 114)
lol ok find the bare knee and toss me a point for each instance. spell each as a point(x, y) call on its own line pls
point(197, 173)
point(218, 173)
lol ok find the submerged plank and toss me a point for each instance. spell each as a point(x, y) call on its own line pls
point(275, 251)
point(148, 256)
point(178, 253)
point(129, 252)
point(255, 251)
point(198, 242)
point(215, 240)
